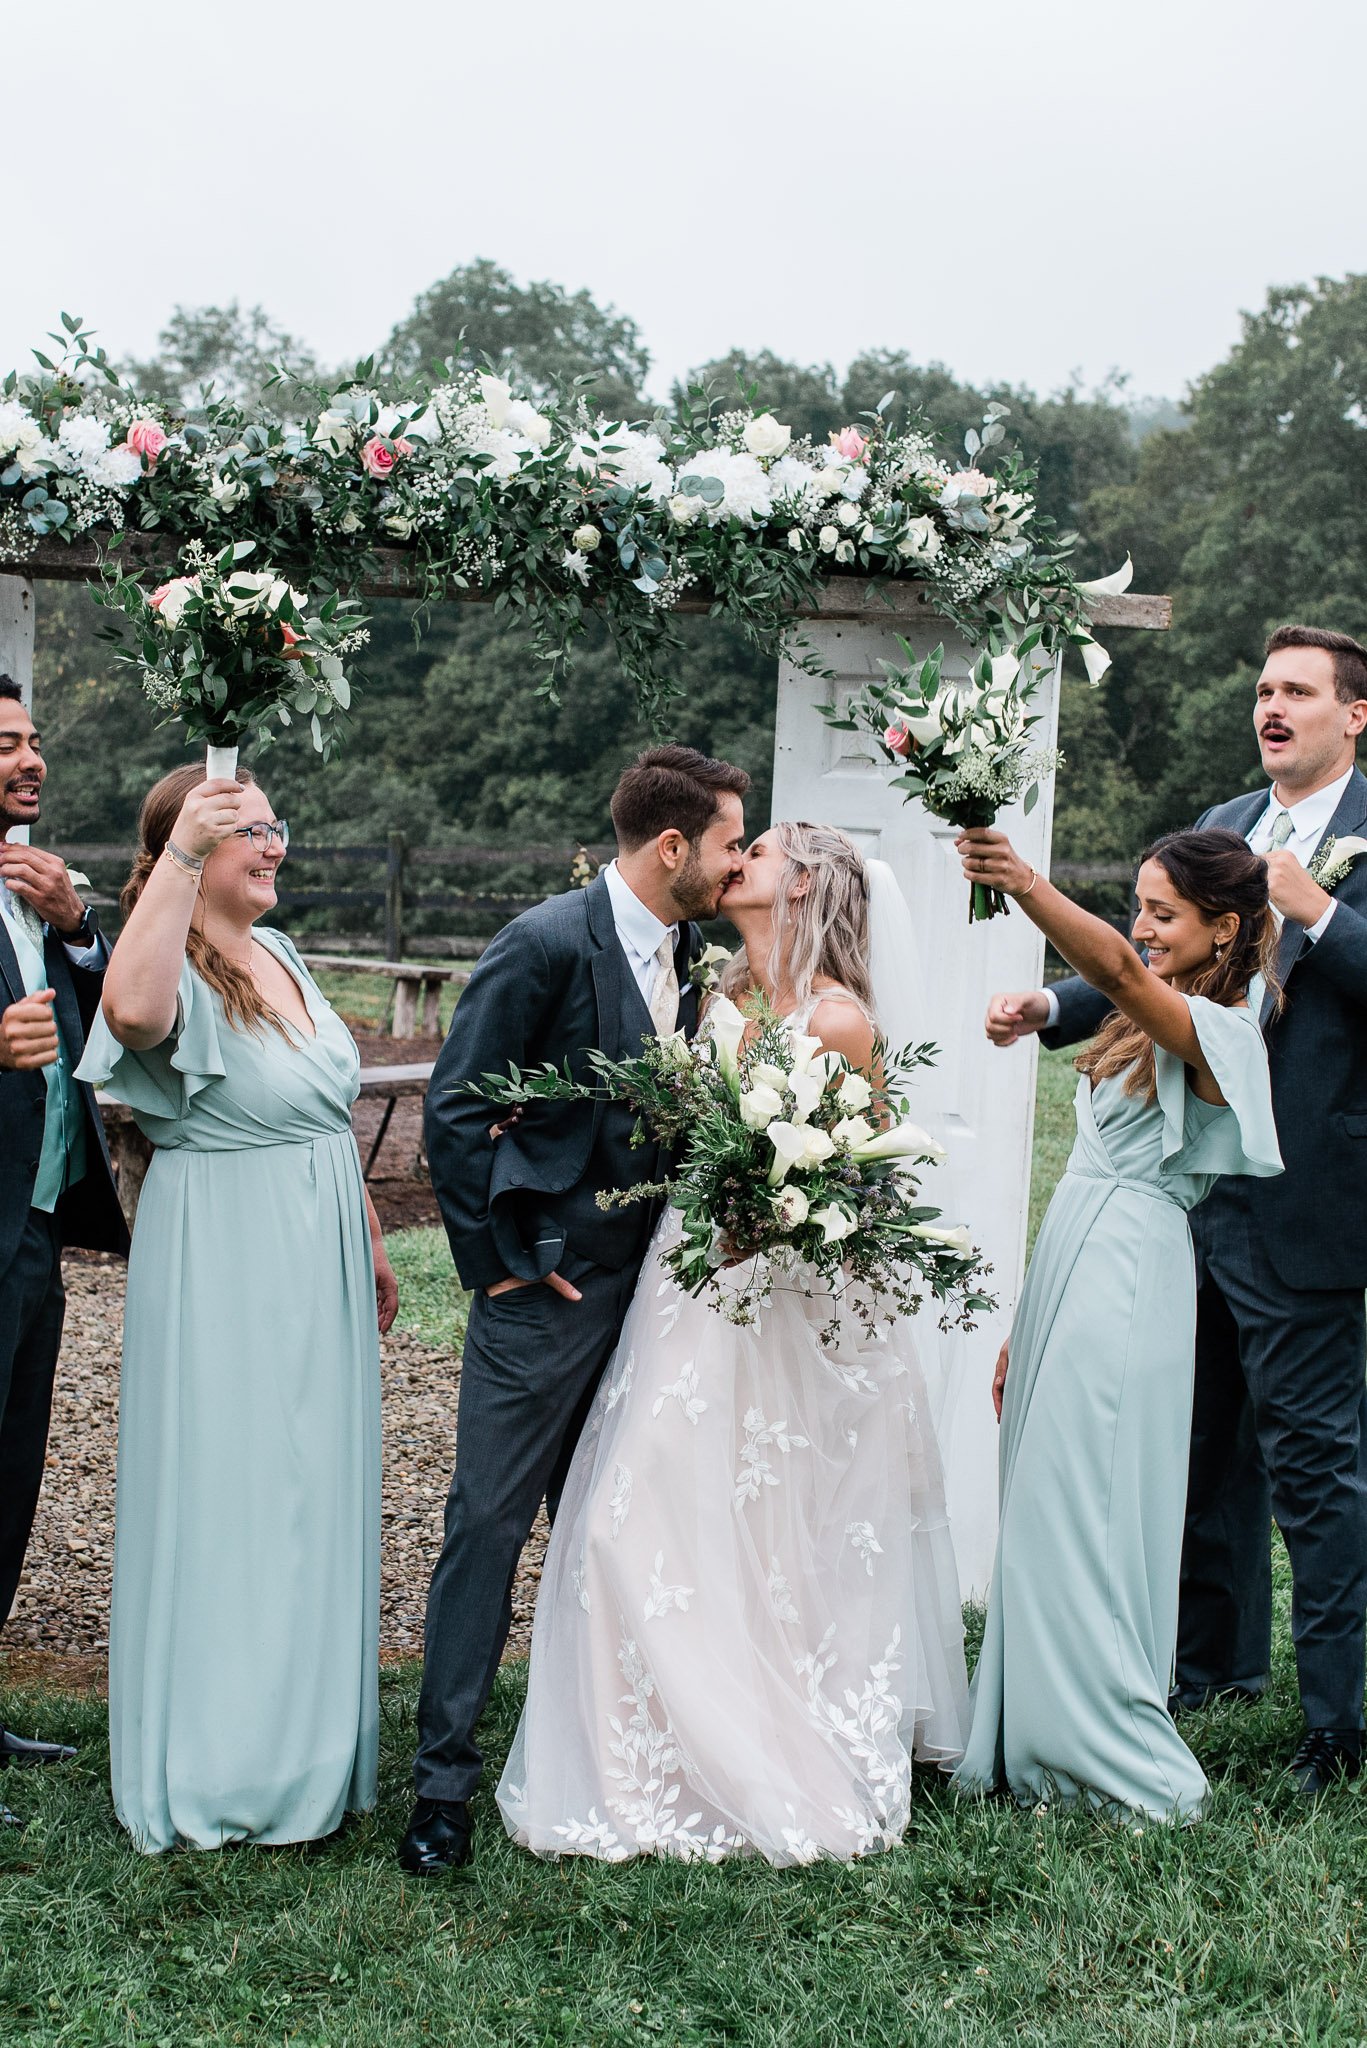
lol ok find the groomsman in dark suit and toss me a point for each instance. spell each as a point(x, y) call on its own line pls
point(1280, 1420)
point(56, 1187)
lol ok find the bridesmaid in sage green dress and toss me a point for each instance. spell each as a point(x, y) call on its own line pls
point(1069, 1698)
point(244, 1634)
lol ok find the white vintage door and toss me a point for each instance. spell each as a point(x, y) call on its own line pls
point(989, 1095)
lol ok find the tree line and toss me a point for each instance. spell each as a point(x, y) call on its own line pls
point(1246, 500)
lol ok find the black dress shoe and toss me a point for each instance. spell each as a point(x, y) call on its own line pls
point(438, 1837)
point(1217, 1696)
point(15, 1750)
point(1326, 1757)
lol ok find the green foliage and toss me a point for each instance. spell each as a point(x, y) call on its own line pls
point(238, 355)
point(536, 334)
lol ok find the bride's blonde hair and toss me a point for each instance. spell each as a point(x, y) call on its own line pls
point(821, 918)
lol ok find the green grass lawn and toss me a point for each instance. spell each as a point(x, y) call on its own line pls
point(986, 1926)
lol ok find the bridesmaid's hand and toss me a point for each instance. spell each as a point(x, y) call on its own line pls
point(386, 1290)
point(999, 1378)
point(989, 858)
point(207, 817)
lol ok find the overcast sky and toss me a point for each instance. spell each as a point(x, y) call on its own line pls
point(1019, 188)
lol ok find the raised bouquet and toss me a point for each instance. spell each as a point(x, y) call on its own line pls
point(964, 749)
point(234, 651)
point(790, 1162)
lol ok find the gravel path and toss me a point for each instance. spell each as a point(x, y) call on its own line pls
point(62, 1611)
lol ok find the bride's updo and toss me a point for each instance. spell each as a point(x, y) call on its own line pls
point(821, 917)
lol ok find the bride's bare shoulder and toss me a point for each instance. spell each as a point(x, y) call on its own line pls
point(840, 1021)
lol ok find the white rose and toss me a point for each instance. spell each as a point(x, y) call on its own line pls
point(791, 1208)
point(765, 438)
point(683, 510)
point(795, 539)
point(334, 432)
point(921, 541)
point(586, 538)
point(855, 1091)
point(844, 551)
point(179, 591)
point(836, 1223)
point(226, 491)
point(524, 419)
point(497, 396)
point(398, 525)
point(759, 1106)
point(848, 514)
point(349, 522)
point(771, 1076)
point(245, 590)
point(852, 1131)
point(830, 479)
point(828, 539)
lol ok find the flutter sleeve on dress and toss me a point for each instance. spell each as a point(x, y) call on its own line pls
point(161, 1082)
point(1199, 1138)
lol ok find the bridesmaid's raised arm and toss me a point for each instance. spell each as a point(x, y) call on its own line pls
point(1096, 951)
point(143, 975)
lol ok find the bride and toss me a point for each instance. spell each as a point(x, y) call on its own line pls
point(748, 1623)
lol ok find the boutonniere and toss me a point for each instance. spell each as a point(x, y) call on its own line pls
point(705, 972)
point(1334, 860)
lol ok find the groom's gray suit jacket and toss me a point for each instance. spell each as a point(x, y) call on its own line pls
point(553, 983)
point(1311, 1221)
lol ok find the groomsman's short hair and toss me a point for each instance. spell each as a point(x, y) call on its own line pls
point(10, 689)
point(1350, 656)
point(672, 788)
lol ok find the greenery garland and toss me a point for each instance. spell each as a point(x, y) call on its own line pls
point(550, 510)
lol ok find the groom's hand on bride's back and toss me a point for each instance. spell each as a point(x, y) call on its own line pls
point(554, 1281)
point(1016, 1015)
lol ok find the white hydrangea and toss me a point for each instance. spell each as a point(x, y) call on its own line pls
point(20, 434)
point(795, 482)
point(81, 441)
point(746, 492)
point(843, 479)
point(620, 455)
point(117, 469)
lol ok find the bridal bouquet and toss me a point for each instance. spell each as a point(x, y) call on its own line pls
point(963, 748)
point(788, 1159)
point(233, 651)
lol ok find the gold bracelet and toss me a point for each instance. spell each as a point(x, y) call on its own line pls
point(1034, 877)
point(184, 861)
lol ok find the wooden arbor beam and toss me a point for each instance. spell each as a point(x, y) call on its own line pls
point(842, 597)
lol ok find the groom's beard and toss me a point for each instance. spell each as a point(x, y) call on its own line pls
point(695, 896)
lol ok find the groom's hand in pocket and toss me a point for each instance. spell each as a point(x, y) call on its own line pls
point(1015, 1016)
point(555, 1281)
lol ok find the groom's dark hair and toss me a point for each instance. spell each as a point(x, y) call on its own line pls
point(1350, 656)
point(671, 788)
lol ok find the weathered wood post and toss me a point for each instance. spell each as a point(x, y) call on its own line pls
point(393, 903)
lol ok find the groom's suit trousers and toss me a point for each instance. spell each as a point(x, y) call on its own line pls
point(532, 1365)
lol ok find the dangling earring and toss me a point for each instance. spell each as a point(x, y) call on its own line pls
point(1219, 950)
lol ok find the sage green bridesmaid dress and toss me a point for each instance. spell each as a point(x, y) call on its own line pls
point(244, 1635)
point(1069, 1698)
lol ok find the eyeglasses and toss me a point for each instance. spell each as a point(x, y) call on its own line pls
point(262, 835)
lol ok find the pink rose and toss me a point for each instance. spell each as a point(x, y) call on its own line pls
point(850, 443)
point(291, 640)
point(970, 480)
point(379, 456)
point(147, 439)
point(897, 740)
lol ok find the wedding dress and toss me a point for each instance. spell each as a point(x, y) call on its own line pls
point(748, 1623)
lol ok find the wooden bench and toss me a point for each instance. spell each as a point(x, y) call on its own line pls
point(131, 1152)
point(411, 978)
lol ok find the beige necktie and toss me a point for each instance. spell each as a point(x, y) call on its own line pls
point(664, 994)
point(1281, 832)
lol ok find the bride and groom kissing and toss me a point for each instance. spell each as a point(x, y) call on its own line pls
point(748, 1621)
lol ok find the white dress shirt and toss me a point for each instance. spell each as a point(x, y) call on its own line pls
point(639, 931)
point(1309, 823)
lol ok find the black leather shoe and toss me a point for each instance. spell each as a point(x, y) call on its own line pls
point(438, 1837)
point(15, 1750)
point(1218, 1696)
point(1325, 1758)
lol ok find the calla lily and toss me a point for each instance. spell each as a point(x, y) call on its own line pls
point(955, 1237)
point(836, 1223)
point(906, 1141)
point(852, 1131)
point(728, 1029)
point(808, 1090)
point(805, 1051)
point(1095, 659)
point(796, 1145)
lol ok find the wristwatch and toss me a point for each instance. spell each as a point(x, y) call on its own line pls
point(85, 933)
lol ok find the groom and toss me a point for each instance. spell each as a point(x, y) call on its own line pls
point(1279, 1426)
point(552, 1274)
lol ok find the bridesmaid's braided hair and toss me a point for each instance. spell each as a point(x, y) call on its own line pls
point(1217, 873)
point(242, 1001)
